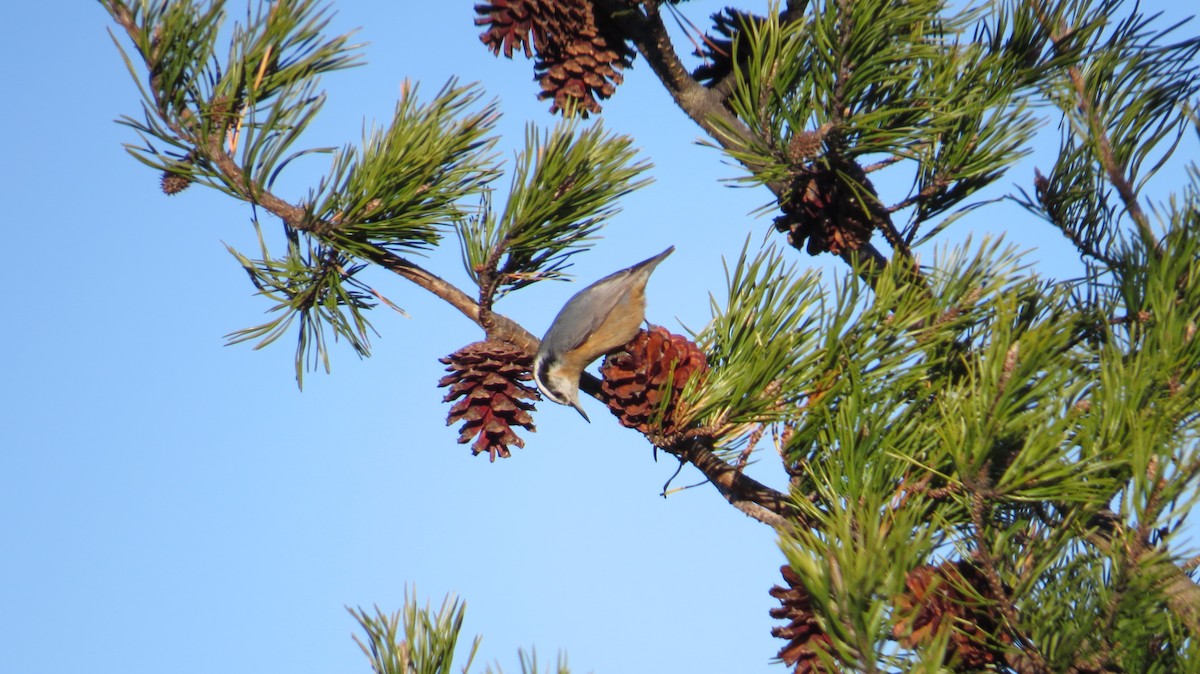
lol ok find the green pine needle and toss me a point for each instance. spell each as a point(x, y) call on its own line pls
point(565, 187)
point(759, 344)
point(413, 640)
point(314, 286)
point(406, 184)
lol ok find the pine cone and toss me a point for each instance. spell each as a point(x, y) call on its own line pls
point(174, 183)
point(803, 633)
point(806, 145)
point(635, 379)
point(510, 24)
point(718, 51)
point(587, 69)
point(487, 378)
point(937, 599)
point(824, 212)
point(579, 54)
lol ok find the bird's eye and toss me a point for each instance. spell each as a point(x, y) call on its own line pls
point(541, 378)
point(553, 393)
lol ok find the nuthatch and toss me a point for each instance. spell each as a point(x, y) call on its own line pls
point(597, 320)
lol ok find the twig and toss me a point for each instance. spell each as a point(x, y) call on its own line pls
point(1033, 661)
point(742, 491)
point(1181, 592)
point(1108, 159)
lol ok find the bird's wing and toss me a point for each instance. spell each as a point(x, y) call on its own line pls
point(584, 317)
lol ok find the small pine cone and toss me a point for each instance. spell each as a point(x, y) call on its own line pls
point(937, 599)
point(1041, 187)
point(174, 183)
point(804, 635)
point(806, 145)
point(635, 379)
point(488, 379)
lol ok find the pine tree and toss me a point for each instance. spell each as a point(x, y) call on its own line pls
point(989, 469)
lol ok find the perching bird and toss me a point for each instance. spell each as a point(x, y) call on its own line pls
point(599, 319)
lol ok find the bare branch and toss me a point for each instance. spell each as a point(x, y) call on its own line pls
point(742, 491)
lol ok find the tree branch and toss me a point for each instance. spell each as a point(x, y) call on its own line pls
point(742, 491)
point(502, 327)
point(1112, 168)
point(497, 326)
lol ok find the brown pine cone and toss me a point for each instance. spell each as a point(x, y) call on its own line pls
point(487, 379)
point(824, 212)
point(587, 68)
point(579, 53)
point(176, 178)
point(941, 598)
point(174, 183)
point(511, 24)
point(636, 379)
point(804, 635)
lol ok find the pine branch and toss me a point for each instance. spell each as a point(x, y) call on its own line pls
point(759, 343)
point(233, 122)
point(300, 219)
point(981, 500)
point(1182, 593)
point(564, 189)
point(502, 327)
point(706, 107)
point(743, 492)
point(297, 218)
point(1124, 100)
point(1113, 169)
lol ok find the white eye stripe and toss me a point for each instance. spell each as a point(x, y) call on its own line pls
point(554, 394)
point(543, 383)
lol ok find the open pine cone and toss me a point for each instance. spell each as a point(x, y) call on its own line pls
point(937, 599)
point(824, 212)
point(488, 381)
point(654, 364)
point(717, 50)
point(804, 635)
point(580, 53)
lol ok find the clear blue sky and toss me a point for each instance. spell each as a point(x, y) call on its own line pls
point(167, 502)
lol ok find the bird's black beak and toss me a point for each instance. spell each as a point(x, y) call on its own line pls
point(579, 408)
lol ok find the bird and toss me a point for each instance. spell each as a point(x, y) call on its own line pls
point(597, 320)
